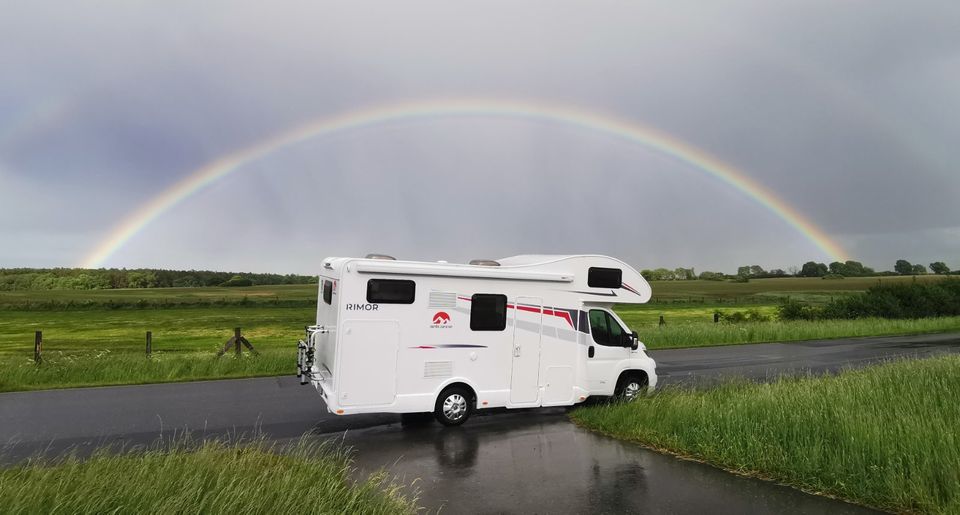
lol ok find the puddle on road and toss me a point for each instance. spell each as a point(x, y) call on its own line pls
point(538, 462)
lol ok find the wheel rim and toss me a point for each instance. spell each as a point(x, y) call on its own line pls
point(631, 390)
point(455, 407)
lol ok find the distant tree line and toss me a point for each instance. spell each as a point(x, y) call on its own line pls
point(12, 279)
point(836, 270)
point(899, 300)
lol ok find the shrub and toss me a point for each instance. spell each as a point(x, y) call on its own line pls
point(911, 300)
point(737, 317)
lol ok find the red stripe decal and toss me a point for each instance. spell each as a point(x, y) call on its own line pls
point(533, 309)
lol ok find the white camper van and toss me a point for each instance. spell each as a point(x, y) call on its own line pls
point(526, 331)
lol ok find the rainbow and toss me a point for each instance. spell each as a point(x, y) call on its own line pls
point(432, 109)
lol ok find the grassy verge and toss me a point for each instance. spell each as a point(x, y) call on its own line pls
point(703, 335)
point(214, 478)
point(885, 436)
point(104, 368)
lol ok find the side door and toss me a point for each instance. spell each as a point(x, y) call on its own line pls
point(527, 331)
point(605, 352)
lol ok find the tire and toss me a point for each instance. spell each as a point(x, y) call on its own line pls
point(454, 406)
point(630, 387)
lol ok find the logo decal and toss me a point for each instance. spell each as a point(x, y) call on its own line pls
point(441, 320)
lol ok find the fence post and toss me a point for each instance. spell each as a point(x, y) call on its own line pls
point(149, 343)
point(716, 317)
point(236, 340)
point(662, 321)
point(37, 347)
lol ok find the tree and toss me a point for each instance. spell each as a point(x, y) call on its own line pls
point(838, 268)
point(757, 271)
point(919, 269)
point(777, 272)
point(855, 268)
point(939, 268)
point(903, 267)
point(813, 269)
point(743, 271)
point(711, 276)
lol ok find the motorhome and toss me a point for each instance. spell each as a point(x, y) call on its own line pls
point(520, 332)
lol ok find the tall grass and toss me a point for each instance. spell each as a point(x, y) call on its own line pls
point(886, 436)
point(102, 368)
point(707, 334)
point(214, 477)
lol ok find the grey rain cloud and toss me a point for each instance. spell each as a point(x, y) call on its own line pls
point(848, 111)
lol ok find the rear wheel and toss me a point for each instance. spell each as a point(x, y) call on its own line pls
point(630, 387)
point(454, 406)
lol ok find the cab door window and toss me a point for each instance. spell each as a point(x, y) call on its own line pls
point(605, 329)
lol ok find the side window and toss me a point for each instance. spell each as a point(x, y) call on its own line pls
point(488, 312)
point(598, 326)
point(391, 291)
point(604, 277)
point(605, 329)
point(327, 292)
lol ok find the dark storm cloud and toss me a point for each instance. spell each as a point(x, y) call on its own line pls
point(849, 111)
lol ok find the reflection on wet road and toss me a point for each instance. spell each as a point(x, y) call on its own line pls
point(536, 461)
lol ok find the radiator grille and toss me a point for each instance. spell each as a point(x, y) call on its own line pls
point(443, 299)
point(437, 369)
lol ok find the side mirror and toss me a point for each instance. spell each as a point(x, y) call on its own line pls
point(636, 341)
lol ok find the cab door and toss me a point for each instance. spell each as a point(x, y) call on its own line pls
point(605, 352)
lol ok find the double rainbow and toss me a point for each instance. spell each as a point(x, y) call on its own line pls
point(633, 132)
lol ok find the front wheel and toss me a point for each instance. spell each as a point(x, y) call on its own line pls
point(630, 387)
point(453, 406)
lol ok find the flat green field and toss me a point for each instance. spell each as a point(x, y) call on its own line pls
point(885, 436)
point(97, 337)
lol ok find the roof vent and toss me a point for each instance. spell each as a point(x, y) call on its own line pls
point(380, 256)
point(484, 262)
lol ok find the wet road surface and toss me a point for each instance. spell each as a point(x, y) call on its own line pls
point(510, 461)
point(541, 463)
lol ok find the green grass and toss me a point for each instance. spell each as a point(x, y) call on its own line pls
point(767, 290)
point(884, 436)
point(298, 295)
point(96, 338)
point(211, 478)
point(98, 348)
point(174, 330)
point(103, 368)
point(708, 334)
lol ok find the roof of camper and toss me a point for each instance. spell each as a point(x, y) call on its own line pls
point(520, 260)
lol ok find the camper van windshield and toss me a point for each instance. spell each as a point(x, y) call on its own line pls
point(605, 329)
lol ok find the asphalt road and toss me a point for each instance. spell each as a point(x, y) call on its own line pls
point(508, 461)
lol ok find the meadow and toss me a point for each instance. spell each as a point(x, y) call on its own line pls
point(97, 337)
point(211, 477)
point(883, 436)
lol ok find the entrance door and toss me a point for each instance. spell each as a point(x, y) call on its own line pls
point(527, 328)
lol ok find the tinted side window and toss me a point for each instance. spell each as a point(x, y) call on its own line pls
point(598, 326)
point(327, 292)
point(605, 329)
point(391, 291)
point(488, 312)
point(604, 277)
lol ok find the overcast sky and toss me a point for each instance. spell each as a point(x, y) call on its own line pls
point(848, 111)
